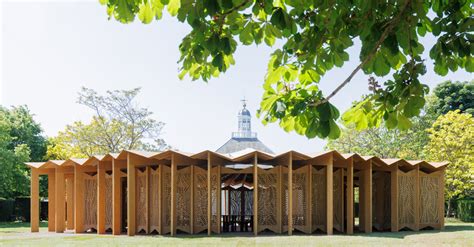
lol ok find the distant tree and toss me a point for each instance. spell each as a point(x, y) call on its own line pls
point(454, 95)
point(452, 139)
point(314, 38)
point(20, 141)
point(119, 123)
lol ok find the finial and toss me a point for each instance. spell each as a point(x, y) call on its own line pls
point(244, 102)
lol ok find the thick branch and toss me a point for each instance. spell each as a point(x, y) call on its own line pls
point(384, 35)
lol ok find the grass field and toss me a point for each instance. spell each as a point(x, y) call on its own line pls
point(455, 234)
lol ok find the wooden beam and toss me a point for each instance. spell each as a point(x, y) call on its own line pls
point(101, 197)
point(209, 194)
point(51, 200)
point(173, 194)
point(255, 194)
point(116, 200)
point(350, 196)
point(394, 198)
point(78, 200)
point(60, 201)
point(131, 184)
point(290, 194)
point(329, 196)
point(34, 200)
point(70, 203)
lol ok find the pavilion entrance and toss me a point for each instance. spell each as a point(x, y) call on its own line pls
point(237, 202)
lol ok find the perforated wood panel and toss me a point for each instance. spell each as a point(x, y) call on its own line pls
point(285, 199)
point(154, 200)
point(406, 199)
point(200, 199)
point(215, 190)
point(90, 201)
point(319, 199)
point(183, 199)
point(300, 199)
point(166, 202)
point(267, 199)
point(108, 201)
point(141, 201)
point(429, 197)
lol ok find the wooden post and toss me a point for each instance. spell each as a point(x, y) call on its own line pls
point(329, 196)
point(101, 198)
point(417, 198)
point(255, 195)
point(219, 203)
point(173, 194)
point(34, 200)
point(160, 207)
point(350, 196)
point(394, 198)
point(290, 195)
point(209, 191)
point(116, 200)
point(51, 200)
point(131, 184)
point(441, 199)
point(70, 203)
point(60, 201)
point(192, 200)
point(78, 200)
point(367, 183)
point(279, 199)
point(147, 198)
point(309, 207)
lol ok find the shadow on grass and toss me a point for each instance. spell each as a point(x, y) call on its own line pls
point(17, 224)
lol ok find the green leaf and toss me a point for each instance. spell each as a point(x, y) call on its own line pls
point(246, 35)
point(334, 132)
point(145, 14)
point(173, 7)
point(380, 65)
point(218, 61)
point(403, 122)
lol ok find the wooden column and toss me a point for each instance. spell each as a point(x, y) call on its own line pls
point(441, 199)
point(255, 194)
point(160, 188)
point(101, 198)
point(290, 195)
point(78, 200)
point(34, 200)
point(70, 202)
point(329, 196)
point(173, 194)
point(209, 191)
point(279, 199)
point(116, 200)
point(147, 198)
point(417, 198)
point(350, 197)
point(367, 187)
point(394, 198)
point(219, 202)
point(60, 201)
point(192, 200)
point(309, 207)
point(131, 184)
point(51, 200)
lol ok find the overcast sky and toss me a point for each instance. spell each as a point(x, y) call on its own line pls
point(49, 50)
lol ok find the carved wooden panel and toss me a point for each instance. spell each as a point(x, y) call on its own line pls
point(429, 198)
point(90, 201)
point(319, 199)
point(200, 199)
point(215, 190)
point(300, 199)
point(141, 194)
point(183, 199)
point(285, 199)
point(166, 202)
point(154, 200)
point(267, 199)
point(108, 201)
point(406, 199)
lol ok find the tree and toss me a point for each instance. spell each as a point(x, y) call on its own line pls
point(20, 141)
point(119, 123)
point(452, 139)
point(315, 37)
point(455, 95)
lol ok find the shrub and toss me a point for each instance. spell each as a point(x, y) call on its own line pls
point(6, 209)
point(465, 210)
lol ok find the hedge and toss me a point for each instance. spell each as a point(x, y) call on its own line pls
point(7, 207)
point(465, 210)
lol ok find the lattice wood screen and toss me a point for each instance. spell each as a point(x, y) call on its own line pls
point(183, 199)
point(430, 187)
point(200, 199)
point(338, 199)
point(318, 199)
point(268, 194)
point(166, 202)
point(108, 201)
point(141, 200)
point(300, 199)
point(381, 200)
point(215, 192)
point(90, 201)
point(284, 198)
point(154, 200)
point(406, 199)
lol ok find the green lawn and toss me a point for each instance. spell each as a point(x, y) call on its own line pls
point(455, 234)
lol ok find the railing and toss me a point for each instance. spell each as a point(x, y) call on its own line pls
point(244, 135)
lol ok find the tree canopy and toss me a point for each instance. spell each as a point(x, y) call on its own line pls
point(315, 36)
point(119, 123)
point(455, 95)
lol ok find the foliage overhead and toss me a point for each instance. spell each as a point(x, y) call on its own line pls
point(455, 95)
point(119, 123)
point(452, 139)
point(315, 36)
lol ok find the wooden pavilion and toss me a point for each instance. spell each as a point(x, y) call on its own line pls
point(173, 192)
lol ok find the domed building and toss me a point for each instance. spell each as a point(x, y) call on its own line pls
point(244, 138)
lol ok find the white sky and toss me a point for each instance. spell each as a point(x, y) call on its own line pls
point(50, 49)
